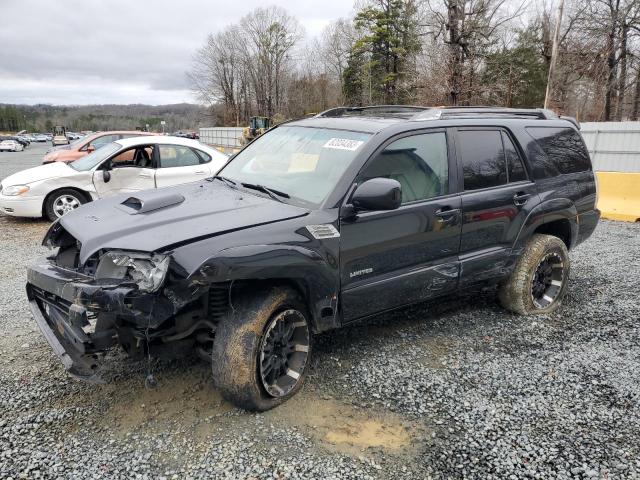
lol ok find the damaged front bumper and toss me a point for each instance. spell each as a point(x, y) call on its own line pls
point(81, 318)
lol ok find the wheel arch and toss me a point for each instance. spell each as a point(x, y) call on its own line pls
point(557, 217)
point(301, 269)
point(87, 196)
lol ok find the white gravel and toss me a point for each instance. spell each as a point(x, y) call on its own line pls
point(477, 392)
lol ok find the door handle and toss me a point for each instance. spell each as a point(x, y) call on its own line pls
point(145, 175)
point(200, 172)
point(447, 214)
point(521, 198)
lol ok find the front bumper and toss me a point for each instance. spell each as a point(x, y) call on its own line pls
point(67, 307)
point(19, 206)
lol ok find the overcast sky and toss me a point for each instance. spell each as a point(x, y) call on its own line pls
point(120, 51)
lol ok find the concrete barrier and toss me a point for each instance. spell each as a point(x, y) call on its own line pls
point(619, 195)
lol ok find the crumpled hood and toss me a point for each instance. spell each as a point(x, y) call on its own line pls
point(36, 174)
point(208, 209)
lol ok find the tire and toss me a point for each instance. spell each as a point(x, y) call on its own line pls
point(539, 280)
point(63, 201)
point(247, 364)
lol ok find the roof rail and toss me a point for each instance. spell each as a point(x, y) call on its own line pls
point(456, 112)
point(373, 110)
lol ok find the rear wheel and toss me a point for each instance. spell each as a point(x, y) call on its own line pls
point(63, 201)
point(539, 280)
point(261, 351)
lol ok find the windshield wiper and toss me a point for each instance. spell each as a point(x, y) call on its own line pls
point(226, 180)
point(269, 191)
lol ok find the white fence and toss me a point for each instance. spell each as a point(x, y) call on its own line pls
point(225, 137)
point(613, 146)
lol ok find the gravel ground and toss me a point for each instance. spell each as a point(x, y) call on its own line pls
point(461, 389)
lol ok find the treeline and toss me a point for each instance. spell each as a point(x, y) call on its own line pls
point(427, 52)
point(42, 118)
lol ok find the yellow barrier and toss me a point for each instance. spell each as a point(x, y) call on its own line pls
point(619, 195)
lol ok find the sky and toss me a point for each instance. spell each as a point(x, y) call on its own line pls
point(82, 52)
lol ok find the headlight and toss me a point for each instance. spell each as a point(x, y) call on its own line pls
point(14, 190)
point(146, 270)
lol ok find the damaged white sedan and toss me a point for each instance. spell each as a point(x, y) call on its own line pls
point(123, 166)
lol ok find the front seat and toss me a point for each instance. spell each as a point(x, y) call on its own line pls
point(141, 158)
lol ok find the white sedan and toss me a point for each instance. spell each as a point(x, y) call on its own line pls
point(10, 146)
point(124, 166)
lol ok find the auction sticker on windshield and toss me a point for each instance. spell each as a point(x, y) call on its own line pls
point(343, 144)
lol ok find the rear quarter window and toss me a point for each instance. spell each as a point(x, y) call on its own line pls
point(562, 151)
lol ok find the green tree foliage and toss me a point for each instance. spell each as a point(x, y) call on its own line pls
point(380, 68)
point(516, 76)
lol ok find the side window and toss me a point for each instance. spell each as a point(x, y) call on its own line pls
point(418, 162)
point(483, 160)
point(204, 157)
point(177, 156)
point(563, 147)
point(515, 168)
point(101, 141)
point(140, 157)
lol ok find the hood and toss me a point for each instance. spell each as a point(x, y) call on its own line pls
point(36, 174)
point(181, 214)
point(58, 148)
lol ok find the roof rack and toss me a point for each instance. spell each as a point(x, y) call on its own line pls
point(413, 112)
point(457, 112)
point(406, 111)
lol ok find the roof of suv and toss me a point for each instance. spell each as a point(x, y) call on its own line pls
point(373, 119)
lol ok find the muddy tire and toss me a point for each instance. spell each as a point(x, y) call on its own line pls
point(261, 351)
point(63, 201)
point(539, 280)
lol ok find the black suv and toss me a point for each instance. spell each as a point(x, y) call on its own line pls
point(316, 224)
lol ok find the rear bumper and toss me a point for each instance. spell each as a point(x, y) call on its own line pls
point(587, 223)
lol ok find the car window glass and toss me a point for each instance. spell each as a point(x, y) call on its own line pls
point(177, 156)
point(206, 158)
point(564, 149)
point(515, 168)
point(304, 162)
point(101, 141)
point(94, 158)
point(419, 163)
point(140, 157)
point(483, 160)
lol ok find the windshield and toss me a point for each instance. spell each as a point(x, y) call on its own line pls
point(303, 162)
point(95, 157)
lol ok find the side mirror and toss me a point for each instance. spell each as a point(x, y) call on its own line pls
point(378, 194)
point(106, 176)
point(90, 148)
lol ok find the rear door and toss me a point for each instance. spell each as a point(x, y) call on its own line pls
point(180, 164)
point(496, 199)
point(129, 171)
point(398, 257)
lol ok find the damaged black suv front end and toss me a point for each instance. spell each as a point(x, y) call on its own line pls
point(114, 297)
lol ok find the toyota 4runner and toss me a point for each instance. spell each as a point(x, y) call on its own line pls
point(316, 224)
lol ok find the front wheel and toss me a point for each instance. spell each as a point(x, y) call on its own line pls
point(539, 280)
point(62, 201)
point(261, 351)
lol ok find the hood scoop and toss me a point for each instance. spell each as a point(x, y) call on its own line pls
point(149, 201)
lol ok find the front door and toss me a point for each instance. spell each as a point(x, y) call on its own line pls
point(398, 257)
point(495, 203)
point(129, 171)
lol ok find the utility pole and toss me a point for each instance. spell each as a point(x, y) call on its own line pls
point(554, 54)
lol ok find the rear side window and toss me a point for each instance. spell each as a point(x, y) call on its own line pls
point(564, 149)
point(177, 156)
point(483, 160)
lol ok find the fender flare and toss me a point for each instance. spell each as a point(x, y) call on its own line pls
point(546, 212)
point(316, 275)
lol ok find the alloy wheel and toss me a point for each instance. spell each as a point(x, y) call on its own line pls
point(64, 204)
point(547, 280)
point(284, 350)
